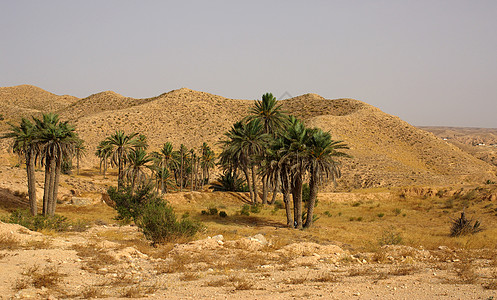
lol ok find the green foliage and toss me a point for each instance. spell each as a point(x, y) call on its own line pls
point(66, 167)
point(159, 224)
point(489, 181)
point(38, 222)
point(211, 211)
point(245, 210)
point(380, 215)
point(230, 182)
point(463, 226)
point(278, 204)
point(149, 212)
point(327, 213)
point(1, 117)
point(129, 204)
point(223, 214)
point(306, 195)
point(256, 208)
point(390, 237)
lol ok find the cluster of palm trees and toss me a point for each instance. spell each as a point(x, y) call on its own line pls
point(166, 168)
point(277, 151)
point(49, 142)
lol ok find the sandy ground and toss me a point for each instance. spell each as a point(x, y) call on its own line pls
point(88, 265)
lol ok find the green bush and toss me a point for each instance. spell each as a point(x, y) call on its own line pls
point(223, 214)
point(212, 211)
point(159, 224)
point(245, 210)
point(256, 208)
point(38, 222)
point(155, 217)
point(129, 204)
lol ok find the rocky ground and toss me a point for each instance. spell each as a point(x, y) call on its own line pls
point(90, 265)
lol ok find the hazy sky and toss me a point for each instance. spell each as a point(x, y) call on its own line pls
point(428, 62)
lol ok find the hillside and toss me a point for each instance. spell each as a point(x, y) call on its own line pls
point(26, 100)
point(387, 151)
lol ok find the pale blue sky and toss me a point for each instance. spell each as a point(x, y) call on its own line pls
point(428, 62)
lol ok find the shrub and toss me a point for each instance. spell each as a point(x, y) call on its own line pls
point(159, 224)
point(390, 237)
point(212, 211)
point(256, 208)
point(229, 182)
point(38, 222)
point(223, 214)
point(245, 210)
point(128, 203)
point(1, 117)
point(327, 213)
point(463, 226)
point(380, 215)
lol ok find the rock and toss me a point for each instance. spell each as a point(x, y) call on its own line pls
point(260, 238)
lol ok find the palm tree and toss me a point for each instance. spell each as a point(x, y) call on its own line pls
point(137, 163)
point(321, 164)
point(24, 144)
point(207, 162)
point(79, 151)
point(243, 143)
point(268, 112)
point(141, 142)
point(104, 151)
point(57, 140)
point(295, 144)
point(121, 146)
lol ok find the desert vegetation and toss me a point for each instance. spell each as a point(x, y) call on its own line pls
point(158, 215)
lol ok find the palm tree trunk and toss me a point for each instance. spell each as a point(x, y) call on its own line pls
point(313, 191)
point(285, 188)
point(55, 186)
point(77, 164)
point(120, 176)
point(46, 187)
point(251, 191)
point(254, 186)
point(265, 188)
point(275, 192)
point(30, 170)
point(297, 200)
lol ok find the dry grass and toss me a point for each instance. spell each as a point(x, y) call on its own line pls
point(240, 283)
point(361, 271)
point(403, 270)
point(189, 276)
point(465, 272)
point(218, 282)
point(326, 277)
point(138, 291)
point(94, 256)
point(8, 242)
point(49, 278)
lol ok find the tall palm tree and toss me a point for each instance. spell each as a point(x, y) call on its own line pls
point(141, 142)
point(274, 119)
point(79, 152)
point(138, 161)
point(121, 146)
point(24, 144)
point(321, 164)
point(243, 143)
point(295, 145)
point(57, 140)
point(104, 152)
point(207, 162)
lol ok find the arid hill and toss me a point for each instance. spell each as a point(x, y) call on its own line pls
point(387, 151)
point(26, 100)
